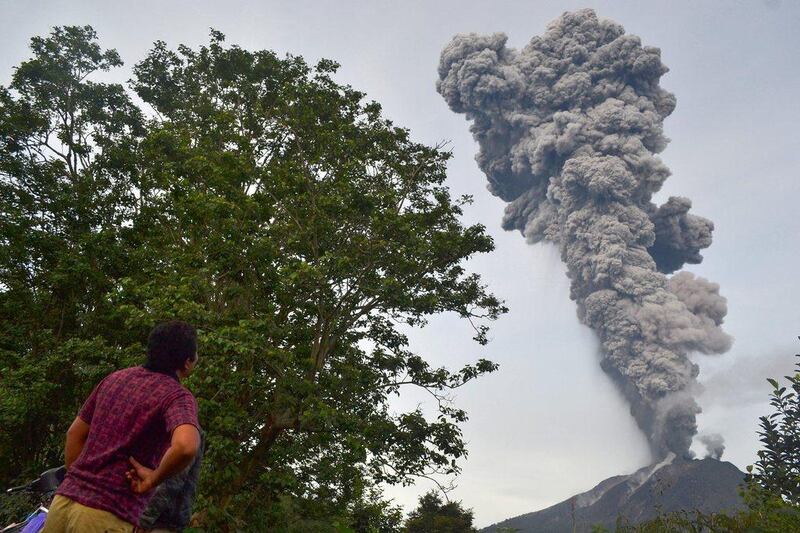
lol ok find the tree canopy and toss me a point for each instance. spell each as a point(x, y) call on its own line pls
point(274, 208)
point(434, 515)
point(777, 470)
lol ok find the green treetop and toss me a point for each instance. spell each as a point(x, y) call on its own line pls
point(433, 515)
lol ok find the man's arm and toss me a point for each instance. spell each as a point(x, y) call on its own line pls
point(76, 438)
point(183, 447)
point(172, 501)
point(79, 430)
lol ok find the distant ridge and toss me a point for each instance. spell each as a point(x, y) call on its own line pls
point(707, 485)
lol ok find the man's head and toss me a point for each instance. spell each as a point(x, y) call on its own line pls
point(172, 348)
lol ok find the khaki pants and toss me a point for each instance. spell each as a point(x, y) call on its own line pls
point(68, 516)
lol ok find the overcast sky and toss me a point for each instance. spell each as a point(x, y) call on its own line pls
point(549, 423)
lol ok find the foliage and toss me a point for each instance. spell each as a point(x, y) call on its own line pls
point(16, 506)
point(66, 148)
point(778, 467)
point(277, 210)
point(433, 515)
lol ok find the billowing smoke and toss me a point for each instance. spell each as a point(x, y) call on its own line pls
point(568, 129)
point(715, 445)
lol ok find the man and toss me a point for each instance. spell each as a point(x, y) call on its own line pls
point(138, 428)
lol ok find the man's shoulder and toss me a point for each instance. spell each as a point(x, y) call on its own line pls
point(123, 372)
point(178, 392)
point(166, 385)
point(126, 374)
point(138, 377)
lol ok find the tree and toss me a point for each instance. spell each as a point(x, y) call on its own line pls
point(301, 231)
point(777, 470)
point(66, 154)
point(433, 515)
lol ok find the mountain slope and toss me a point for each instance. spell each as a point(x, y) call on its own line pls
point(707, 485)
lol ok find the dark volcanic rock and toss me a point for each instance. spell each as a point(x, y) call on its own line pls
point(706, 485)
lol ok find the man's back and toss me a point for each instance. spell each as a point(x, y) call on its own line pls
point(131, 413)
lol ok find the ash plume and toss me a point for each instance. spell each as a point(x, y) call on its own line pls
point(569, 128)
point(714, 444)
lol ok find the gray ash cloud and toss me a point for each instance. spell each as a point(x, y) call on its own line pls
point(715, 445)
point(569, 128)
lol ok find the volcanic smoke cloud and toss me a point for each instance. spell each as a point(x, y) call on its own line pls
point(568, 129)
point(714, 444)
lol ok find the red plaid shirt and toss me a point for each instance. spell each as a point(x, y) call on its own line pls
point(132, 412)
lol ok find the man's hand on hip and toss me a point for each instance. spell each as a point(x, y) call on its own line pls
point(183, 449)
point(142, 479)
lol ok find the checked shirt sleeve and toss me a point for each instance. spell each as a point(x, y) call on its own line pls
point(181, 410)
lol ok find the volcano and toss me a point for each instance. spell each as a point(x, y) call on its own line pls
point(706, 485)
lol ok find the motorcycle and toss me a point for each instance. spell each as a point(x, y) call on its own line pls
point(45, 486)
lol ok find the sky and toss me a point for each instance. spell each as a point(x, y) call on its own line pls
point(549, 423)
